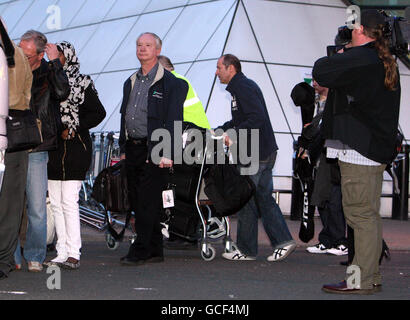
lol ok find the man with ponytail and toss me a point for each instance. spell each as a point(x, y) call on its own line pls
point(360, 124)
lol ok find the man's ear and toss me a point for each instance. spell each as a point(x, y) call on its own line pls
point(360, 29)
point(231, 69)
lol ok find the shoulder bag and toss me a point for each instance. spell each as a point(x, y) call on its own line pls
point(23, 130)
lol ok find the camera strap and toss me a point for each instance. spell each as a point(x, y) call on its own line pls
point(7, 45)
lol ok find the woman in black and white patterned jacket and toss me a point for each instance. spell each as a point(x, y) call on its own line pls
point(69, 164)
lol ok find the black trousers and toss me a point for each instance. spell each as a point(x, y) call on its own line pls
point(11, 206)
point(145, 183)
point(333, 220)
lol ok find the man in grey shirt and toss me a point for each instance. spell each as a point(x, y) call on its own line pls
point(153, 99)
point(136, 115)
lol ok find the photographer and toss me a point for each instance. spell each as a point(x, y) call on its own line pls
point(360, 126)
point(12, 192)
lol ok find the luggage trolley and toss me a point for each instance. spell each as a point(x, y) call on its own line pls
point(92, 212)
point(210, 228)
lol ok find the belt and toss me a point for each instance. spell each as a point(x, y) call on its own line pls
point(138, 141)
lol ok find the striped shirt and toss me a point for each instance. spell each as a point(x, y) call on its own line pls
point(350, 156)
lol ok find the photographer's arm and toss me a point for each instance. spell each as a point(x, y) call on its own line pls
point(334, 71)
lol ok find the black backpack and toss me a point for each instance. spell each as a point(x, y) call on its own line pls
point(227, 189)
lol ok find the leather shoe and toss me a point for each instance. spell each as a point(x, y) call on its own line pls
point(377, 287)
point(341, 288)
point(128, 261)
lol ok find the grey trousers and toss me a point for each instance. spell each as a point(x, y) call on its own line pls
point(361, 192)
point(11, 206)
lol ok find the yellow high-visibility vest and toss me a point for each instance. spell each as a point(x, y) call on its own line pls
point(193, 109)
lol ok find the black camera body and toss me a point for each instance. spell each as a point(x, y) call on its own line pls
point(344, 36)
point(396, 30)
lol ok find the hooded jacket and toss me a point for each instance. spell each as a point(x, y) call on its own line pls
point(80, 112)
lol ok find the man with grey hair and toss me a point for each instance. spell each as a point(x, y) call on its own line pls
point(153, 99)
point(50, 87)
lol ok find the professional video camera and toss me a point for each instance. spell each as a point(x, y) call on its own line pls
point(396, 29)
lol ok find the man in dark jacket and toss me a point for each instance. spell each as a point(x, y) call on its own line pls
point(249, 112)
point(153, 99)
point(50, 87)
point(360, 126)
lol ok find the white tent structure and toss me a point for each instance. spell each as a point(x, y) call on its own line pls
point(277, 42)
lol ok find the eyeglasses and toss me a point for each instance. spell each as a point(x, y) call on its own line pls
point(31, 57)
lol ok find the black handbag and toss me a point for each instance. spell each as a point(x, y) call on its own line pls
point(23, 132)
point(111, 188)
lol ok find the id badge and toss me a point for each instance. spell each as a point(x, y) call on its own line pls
point(168, 199)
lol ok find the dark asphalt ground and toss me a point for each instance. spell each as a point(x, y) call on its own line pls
point(186, 276)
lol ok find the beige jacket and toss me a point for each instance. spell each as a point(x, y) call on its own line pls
point(20, 80)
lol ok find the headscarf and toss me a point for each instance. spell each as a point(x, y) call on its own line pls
point(78, 84)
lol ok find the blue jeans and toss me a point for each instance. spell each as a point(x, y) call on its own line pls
point(263, 205)
point(35, 247)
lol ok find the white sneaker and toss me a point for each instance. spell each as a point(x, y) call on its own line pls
point(34, 266)
point(56, 261)
point(340, 250)
point(60, 259)
point(282, 253)
point(319, 248)
point(237, 255)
